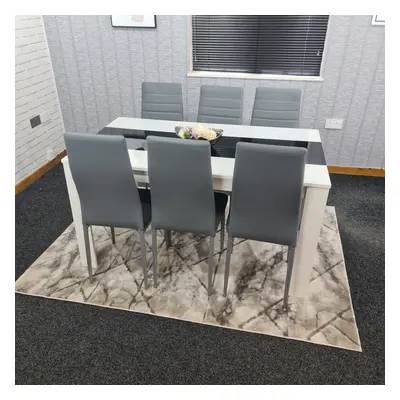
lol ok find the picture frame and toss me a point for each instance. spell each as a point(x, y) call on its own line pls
point(378, 20)
point(133, 21)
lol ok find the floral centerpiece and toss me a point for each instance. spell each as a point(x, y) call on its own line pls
point(199, 132)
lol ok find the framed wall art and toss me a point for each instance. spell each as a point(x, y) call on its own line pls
point(378, 20)
point(133, 21)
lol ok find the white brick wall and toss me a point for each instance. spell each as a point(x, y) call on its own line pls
point(35, 94)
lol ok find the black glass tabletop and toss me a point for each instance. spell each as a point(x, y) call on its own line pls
point(226, 146)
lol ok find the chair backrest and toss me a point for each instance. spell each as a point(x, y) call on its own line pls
point(276, 107)
point(162, 101)
point(266, 193)
point(103, 177)
point(180, 178)
point(220, 105)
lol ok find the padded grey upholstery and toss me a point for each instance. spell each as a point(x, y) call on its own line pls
point(276, 107)
point(266, 193)
point(181, 186)
point(105, 183)
point(220, 105)
point(162, 101)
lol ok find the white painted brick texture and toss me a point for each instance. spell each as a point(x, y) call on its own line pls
point(35, 94)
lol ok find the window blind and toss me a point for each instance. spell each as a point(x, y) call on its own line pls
point(261, 44)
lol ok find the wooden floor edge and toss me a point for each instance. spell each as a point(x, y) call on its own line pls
point(29, 179)
point(356, 171)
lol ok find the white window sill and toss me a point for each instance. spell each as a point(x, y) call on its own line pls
point(242, 75)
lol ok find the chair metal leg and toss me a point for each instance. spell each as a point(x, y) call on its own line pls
point(228, 263)
point(154, 249)
point(167, 237)
point(112, 234)
point(222, 233)
point(87, 246)
point(144, 261)
point(302, 202)
point(290, 261)
point(210, 264)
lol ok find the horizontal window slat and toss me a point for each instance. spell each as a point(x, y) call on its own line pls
point(259, 66)
point(254, 51)
point(271, 18)
point(255, 67)
point(216, 58)
point(243, 59)
point(203, 43)
point(268, 72)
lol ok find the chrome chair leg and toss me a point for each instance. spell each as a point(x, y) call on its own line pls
point(222, 233)
point(228, 263)
point(112, 234)
point(210, 264)
point(167, 237)
point(88, 256)
point(290, 261)
point(144, 261)
point(154, 249)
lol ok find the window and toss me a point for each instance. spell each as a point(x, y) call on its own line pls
point(259, 44)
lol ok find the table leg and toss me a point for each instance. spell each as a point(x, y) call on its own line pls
point(77, 217)
point(306, 249)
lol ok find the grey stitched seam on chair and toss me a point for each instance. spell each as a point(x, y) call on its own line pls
point(217, 116)
point(276, 120)
point(220, 108)
point(159, 101)
point(274, 116)
point(260, 108)
point(161, 94)
point(220, 98)
point(159, 111)
point(277, 101)
point(161, 104)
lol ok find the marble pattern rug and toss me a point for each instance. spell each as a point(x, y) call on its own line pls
point(255, 290)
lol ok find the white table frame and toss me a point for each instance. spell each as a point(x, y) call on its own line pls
point(316, 182)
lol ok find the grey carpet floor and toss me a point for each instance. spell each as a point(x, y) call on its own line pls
point(59, 342)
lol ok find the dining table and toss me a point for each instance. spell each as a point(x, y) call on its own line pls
point(316, 184)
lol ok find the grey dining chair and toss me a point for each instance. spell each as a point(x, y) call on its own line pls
point(182, 192)
point(220, 105)
point(269, 209)
point(162, 101)
point(278, 107)
point(108, 194)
